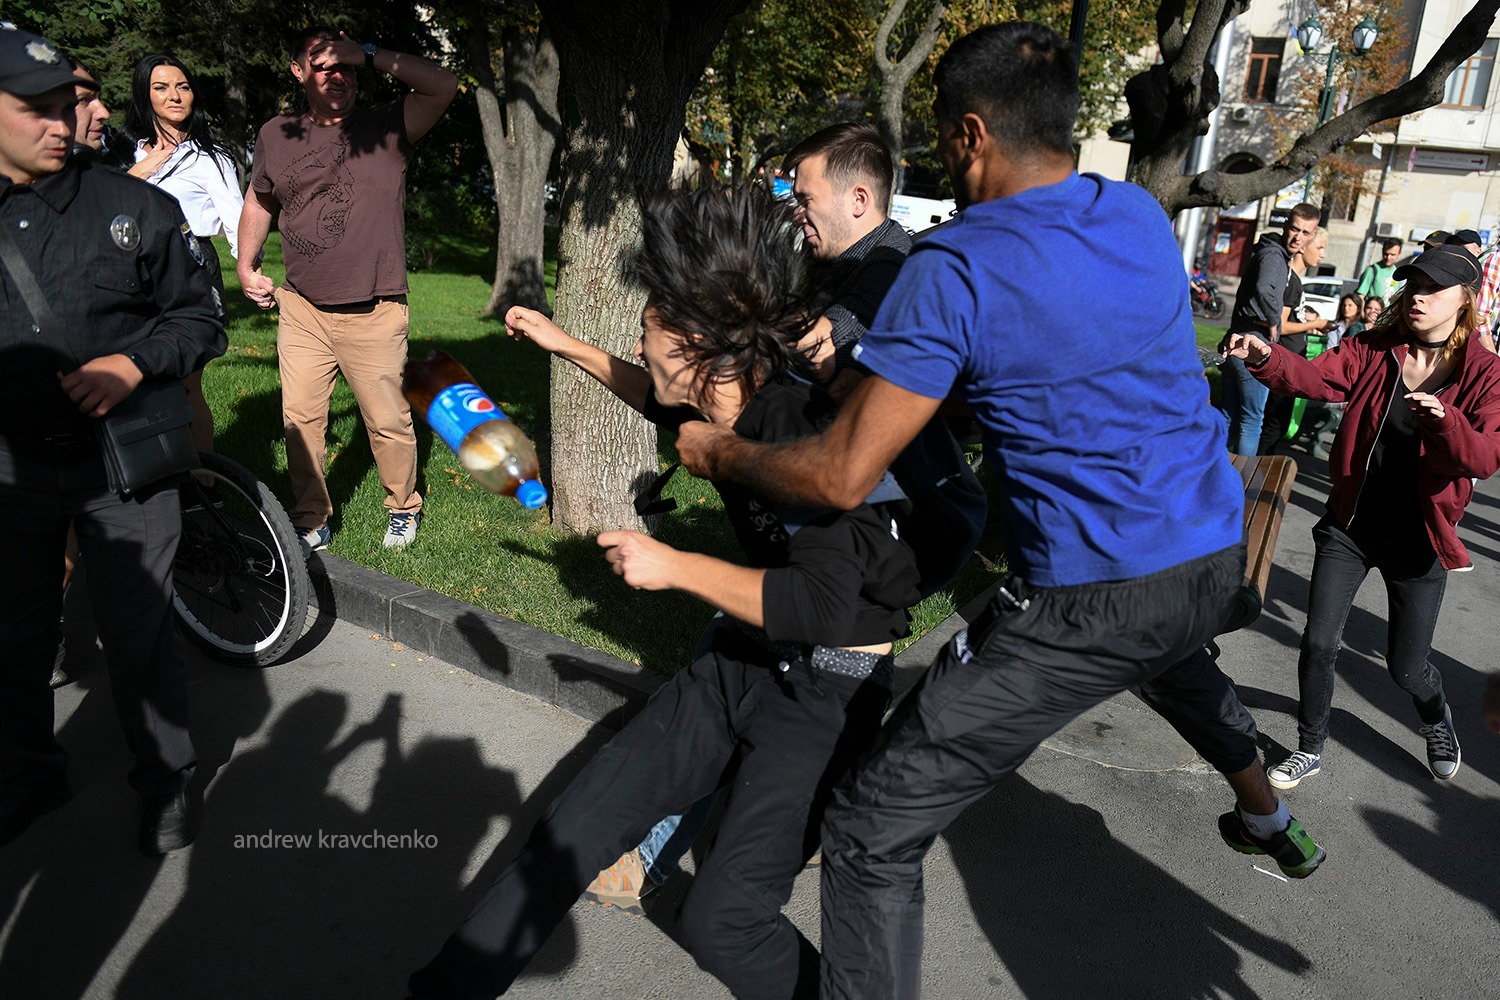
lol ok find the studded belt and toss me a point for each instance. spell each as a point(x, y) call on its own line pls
point(856, 663)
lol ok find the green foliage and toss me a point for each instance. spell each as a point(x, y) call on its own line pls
point(782, 71)
point(786, 69)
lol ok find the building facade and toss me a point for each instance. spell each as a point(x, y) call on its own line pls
point(1438, 169)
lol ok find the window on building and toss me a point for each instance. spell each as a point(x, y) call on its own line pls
point(1265, 69)
point(1469, 85)
point(1343, 198)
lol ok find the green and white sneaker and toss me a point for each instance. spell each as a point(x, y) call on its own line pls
point(1292, 849)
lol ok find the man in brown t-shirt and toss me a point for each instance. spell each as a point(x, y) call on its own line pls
point(337, 174)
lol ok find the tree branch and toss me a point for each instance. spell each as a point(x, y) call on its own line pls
point(1170, 104)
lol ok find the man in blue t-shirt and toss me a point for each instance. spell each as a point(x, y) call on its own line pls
point(1123, 511)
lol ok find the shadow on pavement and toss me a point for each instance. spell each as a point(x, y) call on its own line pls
point(1078, 914)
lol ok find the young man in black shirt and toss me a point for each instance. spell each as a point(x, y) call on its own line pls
point(797, 669)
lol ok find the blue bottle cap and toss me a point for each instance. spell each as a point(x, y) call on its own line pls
point(531, 494)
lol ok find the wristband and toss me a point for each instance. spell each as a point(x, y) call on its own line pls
point(135, 359)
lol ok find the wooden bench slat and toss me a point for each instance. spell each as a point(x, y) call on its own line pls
point(1268, 486)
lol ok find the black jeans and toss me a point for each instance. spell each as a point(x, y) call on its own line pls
point(775, 741)
point(127, 547)
point(1414, 593)
point(1000, 687)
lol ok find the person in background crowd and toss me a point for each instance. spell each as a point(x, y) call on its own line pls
point(1466, 238)
point(1489, 291)
point(1258, 309)
point(1469, 240)
point(1297, 323)
point(93, 116)
point(1422, 417)
point(88, 140)
point(1375, 281)
point(1350, 320)
point(176, 150)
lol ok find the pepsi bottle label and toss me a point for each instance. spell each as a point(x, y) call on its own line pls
point(459, 409)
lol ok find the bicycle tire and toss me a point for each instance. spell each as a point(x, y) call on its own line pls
point(1215, 307)
point(240, 587)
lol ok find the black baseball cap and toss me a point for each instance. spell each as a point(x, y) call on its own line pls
point(1464, 237)
point(29, 64)
point(1448, 265)
point(1436, 238)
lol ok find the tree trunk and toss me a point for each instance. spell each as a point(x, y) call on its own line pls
point(236, 99)
point(532, 129)
point(519, 138)
point(892, 75)
point(628, 69)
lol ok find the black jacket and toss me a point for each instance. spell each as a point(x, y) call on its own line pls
point(122, 273)
point(1257, 305)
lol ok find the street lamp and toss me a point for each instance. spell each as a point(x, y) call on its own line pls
point(1309, 34)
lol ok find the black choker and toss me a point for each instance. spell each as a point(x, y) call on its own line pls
point(1431, 345)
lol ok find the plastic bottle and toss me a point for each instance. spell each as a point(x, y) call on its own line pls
point(488, 444)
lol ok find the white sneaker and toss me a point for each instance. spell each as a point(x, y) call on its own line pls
point(1291, 771)
point(402, 530)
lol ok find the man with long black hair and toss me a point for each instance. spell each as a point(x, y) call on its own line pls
point(1123, 511)
point(795, 673)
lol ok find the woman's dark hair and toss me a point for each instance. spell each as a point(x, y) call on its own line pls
point(1019, 78)
point(726, 267)
point(1359, 306)
point(140, 119)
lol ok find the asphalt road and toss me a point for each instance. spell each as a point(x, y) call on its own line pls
point(1094, 872)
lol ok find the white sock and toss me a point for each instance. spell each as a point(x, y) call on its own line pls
point(1266, 827)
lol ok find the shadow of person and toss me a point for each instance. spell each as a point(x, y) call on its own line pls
point(293, 871)
point(73, 884)
point(1112, 924)
point(1463, 819)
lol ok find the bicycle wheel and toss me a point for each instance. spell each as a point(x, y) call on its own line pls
point(240, 584)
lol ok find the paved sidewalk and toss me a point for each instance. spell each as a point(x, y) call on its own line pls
point(1095, 872)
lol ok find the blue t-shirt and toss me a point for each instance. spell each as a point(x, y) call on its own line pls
point(1061, 315)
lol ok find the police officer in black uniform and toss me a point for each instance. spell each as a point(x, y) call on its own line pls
point(115, 262)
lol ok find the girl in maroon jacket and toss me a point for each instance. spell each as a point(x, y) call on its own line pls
point(1421, 421)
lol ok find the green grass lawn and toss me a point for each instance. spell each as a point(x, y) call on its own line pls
point(474, 546)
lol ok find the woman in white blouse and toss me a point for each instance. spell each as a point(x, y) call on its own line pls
point(176, 150)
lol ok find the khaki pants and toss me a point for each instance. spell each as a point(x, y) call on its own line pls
point(367, 344)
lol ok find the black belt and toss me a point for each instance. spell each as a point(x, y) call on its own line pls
point(64, 444)
point(367, 305)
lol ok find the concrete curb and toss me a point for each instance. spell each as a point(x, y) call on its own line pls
point(586, 682)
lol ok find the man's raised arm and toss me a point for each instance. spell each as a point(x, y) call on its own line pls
point(837, 468)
